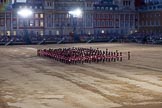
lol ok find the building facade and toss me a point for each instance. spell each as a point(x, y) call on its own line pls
point(53, 17)
point(150, 18)
point(115, 17)
point(34, 24)
point(59, 21)
point(5, 17)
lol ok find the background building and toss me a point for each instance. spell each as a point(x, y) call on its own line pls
point(150, 18)
point(115, 17)
point(5, 17)
point(34, 24)
point(58, 21)
point(52, 17)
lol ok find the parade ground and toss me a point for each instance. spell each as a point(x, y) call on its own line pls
point(29, 81)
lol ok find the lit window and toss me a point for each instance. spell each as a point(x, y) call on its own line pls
point(57, 32)
point(14, 33)
point(36, 15)
point(8, 33)
point(41, 33)
point(67, 16)
point(31, 23)
point(41, 24)
point(41, 16)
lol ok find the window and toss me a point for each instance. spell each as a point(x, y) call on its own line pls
point(98, 16)
point(107, 23)
point(41, 15)
point(102, 8)
point(41, 24)
point(57, 32)
point(117, 23)
point(36, 16)
point(117, 16)
point(131, 16)
point(41, 33)
point(36, 23)
point(8, 33)
point(1, 33)
point(157, 22)
point(14, 33)
point(122, 24)
point(31, 23)
point(103, 23)
point(14, 23)
point(152, 22)
point(50, 32)
point(111, 16)
point(49, 24)
point(21, 24)
point(122, 16)
point(111, 23)
point(127, 23)
point(2, 22)
point(49, 4)
point(129, 3)
point(126, 3)
point(98, 23)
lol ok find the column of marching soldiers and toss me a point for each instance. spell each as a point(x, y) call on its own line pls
point(80, 55)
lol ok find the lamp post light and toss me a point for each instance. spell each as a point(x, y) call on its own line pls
point(25, 13)
point(76, 13)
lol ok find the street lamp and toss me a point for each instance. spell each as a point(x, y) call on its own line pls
point(25, 13)
point(76, 13)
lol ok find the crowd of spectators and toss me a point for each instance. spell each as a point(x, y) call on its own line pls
point(138, 37)
point(13, 39)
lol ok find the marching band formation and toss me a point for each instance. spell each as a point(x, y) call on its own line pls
point(80, 55)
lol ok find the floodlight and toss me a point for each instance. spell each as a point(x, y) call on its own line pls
point(76, 13)
point(25, 12)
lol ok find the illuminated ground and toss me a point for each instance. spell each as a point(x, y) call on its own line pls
point(28, 81)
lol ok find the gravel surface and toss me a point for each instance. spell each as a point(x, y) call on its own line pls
point(28, 81)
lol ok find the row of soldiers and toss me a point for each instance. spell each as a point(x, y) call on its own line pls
point(80, 55)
